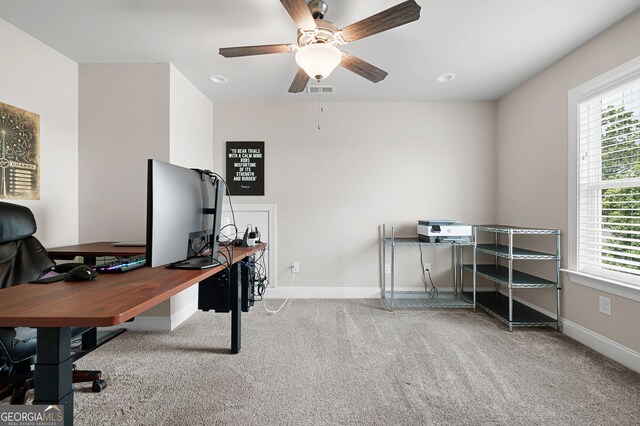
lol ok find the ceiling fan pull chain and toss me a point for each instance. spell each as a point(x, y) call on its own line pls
point(319, 110)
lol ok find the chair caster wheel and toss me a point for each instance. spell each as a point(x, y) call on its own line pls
point(98, 385)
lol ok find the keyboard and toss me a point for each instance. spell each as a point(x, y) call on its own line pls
point(121, 265)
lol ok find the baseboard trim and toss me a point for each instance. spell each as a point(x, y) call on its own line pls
point(607, 347)
point(341, 292)
point(324, 293)
point(599, 343)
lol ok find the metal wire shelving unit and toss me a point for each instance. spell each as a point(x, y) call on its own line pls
point(501, 306)
point(458, 298)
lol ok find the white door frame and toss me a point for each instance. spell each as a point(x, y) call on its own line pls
point(271, 210)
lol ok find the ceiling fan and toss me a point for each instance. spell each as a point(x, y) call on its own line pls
point(317, 53)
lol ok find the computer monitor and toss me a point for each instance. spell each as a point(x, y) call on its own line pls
point(184, 208)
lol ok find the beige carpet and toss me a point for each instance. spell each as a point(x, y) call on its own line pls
point(326, 362)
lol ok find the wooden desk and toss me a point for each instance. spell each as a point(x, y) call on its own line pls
point(92, 250)
point(110, 299)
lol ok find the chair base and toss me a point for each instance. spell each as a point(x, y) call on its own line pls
point(18, 390)
point(6, 391)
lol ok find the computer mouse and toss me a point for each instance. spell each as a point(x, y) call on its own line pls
point(80, 273)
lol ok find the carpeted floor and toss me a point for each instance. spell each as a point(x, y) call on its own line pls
point(327, 362)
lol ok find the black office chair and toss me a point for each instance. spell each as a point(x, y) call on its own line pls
point(23, 259)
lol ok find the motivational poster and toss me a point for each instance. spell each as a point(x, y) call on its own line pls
point(245, 168)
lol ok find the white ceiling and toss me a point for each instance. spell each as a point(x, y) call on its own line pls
point(491, 45)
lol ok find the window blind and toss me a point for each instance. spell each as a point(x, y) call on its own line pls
point(609, 183)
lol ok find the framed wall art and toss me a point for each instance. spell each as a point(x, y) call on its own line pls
point(19, 153)
point(245, 168)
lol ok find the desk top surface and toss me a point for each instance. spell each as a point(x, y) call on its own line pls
point(110, 299)
point(102, 248)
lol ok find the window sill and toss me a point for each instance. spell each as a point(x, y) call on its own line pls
point(628, 291)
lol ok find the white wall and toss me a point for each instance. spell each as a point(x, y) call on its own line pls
point(371, 163)
point(124, 120)
point(191, 124)
point(128, 114)
point(191, 145)
point(532, 169)
point(36, 78)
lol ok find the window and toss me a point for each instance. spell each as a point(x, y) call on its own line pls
point(604, 141)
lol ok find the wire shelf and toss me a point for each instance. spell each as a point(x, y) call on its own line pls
point(500, 274)
point(517, 253)
point(497, 304)
point(505, 229)
point(410, 241)
point(404, 300)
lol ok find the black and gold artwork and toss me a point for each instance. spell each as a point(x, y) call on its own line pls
point(19, 153)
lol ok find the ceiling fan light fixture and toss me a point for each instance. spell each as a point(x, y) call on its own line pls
point(318, 60)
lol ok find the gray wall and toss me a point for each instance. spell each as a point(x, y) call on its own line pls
point(532, 169)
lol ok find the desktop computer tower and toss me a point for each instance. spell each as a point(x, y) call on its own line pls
point(214, 293)
point(247, 280)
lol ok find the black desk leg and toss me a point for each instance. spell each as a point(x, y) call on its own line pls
point(54, 369)
point(236, 311)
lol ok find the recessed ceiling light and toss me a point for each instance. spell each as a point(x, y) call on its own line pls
point(219, 79)
point(446, 77)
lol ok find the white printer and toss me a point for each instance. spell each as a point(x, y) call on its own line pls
point(444, 230)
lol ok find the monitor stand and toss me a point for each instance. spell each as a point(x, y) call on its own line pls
point(197, 262)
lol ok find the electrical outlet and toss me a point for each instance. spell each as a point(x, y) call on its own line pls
point(427, 266)
point(387, 269)
point(295, 267)
point(605, 305)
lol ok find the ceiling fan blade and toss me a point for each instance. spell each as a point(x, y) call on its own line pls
point(362, 68)
point(299, 81)
point(395, 16)
point(300, 14)
point(232, 52)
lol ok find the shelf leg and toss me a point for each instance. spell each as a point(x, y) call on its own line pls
point(383, 266)
point(558, 286)
point(460, 272)
point(510, 280)
point(475, 267)
point(393, 266)
point(454, 260)
point(559, 322)
point(510, 308)
point(496, 261)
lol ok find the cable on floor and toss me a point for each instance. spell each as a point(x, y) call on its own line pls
point(293, 276)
